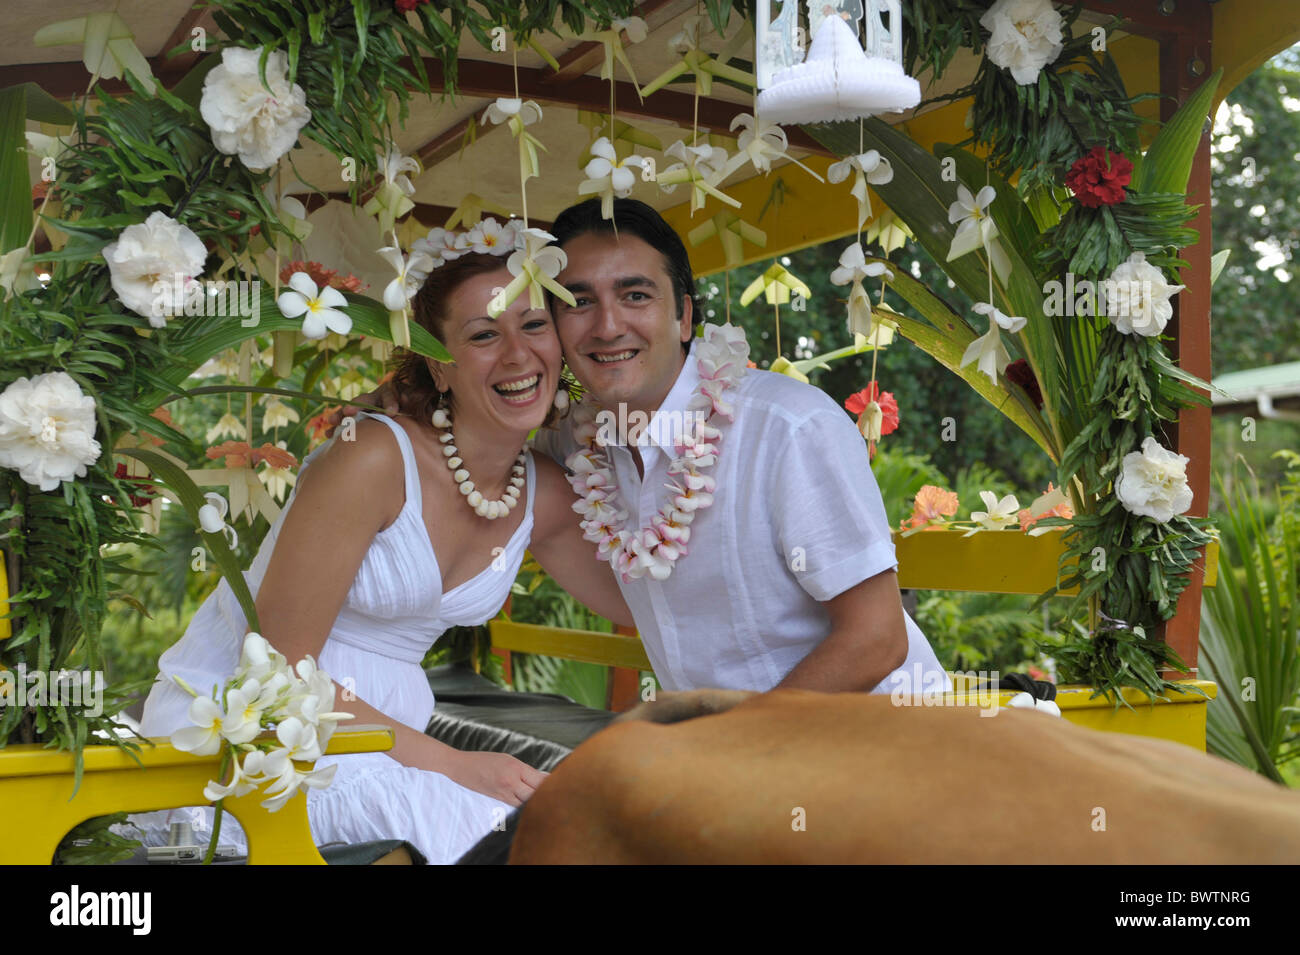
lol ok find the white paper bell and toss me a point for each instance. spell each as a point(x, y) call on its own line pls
point(837, 81)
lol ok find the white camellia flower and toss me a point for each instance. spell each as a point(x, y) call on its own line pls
point(1000, 514)
point(1153, 482)
point(1137, 297)
point(320, 306)
point(1026, 36)
point(245, 118)
point(47, 429)
point(145, 262)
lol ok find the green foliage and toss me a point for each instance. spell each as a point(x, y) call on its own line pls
point(1250, 626)
point(976, 631)
point(92, 843)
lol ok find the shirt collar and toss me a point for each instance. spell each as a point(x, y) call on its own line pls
point(669, 419)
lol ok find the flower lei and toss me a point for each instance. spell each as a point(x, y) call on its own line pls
point(721, 357)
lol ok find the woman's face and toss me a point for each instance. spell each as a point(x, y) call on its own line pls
point(506, 369)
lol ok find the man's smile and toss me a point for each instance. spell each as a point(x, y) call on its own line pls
point(606, 358)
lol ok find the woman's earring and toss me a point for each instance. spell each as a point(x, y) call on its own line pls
point(562, 399)
point(440, 418)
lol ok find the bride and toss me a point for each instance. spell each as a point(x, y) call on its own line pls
point(417, 524)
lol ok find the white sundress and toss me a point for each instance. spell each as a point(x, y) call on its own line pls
point(393, 613)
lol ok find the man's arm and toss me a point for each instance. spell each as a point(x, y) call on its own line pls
point(867, 642)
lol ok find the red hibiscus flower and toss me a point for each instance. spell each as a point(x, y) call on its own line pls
point(147, 490)
point(1099, 178)
point(1021, 374)
point(406, 6)
point(857, 404)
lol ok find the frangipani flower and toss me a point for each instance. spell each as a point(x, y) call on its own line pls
point(490, 237)
point(868, 167)
point(319, 306)
point(392, 199)
point(1153, 482)
point(149, 261)
point(403, 288)
point(242, 778)
point(439, 245)
point(607, 176)
point(854, 268)
point(702, 167)
point(988, 353)
point(1012, 323)
point(1001, 513)
point(518, 113)
point(535, 267)
point(1137, 297)
point(759, 144)
point(976, 228)
point(246, 118)
point(212, 517)
point(47, 429)
point(204, 737)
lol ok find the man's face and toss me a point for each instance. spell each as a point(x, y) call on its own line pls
point(623, 339)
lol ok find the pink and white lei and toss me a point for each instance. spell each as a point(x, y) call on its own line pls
point(721, 357)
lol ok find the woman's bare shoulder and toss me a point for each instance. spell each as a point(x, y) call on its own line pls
point(363, 465)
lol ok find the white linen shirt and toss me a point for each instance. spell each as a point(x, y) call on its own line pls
point(796, 519)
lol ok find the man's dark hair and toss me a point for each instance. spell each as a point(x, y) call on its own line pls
point(635, 218)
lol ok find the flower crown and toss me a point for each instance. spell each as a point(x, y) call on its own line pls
point(488, 236)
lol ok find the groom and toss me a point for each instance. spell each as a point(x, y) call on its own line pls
point(787, 576)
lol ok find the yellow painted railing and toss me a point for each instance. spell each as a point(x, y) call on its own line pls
point(32, 776)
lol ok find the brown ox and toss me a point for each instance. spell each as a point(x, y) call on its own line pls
point(874, 782)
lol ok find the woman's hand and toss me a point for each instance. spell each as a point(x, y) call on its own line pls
point(498, 775)
point(382, 397)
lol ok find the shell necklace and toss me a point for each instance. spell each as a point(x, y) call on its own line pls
point(721, 357)
point(460, 474)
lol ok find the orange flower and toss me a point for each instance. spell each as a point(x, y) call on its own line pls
point(239, 454)
point(1063, 509)
point(322, 276)
point(932, 504)
point(317, 426)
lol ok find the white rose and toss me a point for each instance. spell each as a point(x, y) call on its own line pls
point(246, 118)
point(1026, 37)
point(144, 264)
point(1137, 297)
point(1153, 483)
point(47, 429)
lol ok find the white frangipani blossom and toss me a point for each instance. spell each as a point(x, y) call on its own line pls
point(703, 167)
point(760, 144)
point(1011, 323)
point(869, 167)
point(245, 118)
point(999, 514)
point(854, 268)
point(318, 306)
point(47, 429)
point(608, 176)
point(534, 265)
point(506, 108)
point(988, 353)
point(392, 198)
point(408, 268)
point(976, 228)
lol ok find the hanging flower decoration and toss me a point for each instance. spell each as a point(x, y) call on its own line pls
point(999, 514)
point(686, 43)
point(760, 144)
point(517, 114)
point(248, 496)
point(775, 284)
point(47, 429)
point(732, 231)
point(1026, 36)
point(277, 413)
point(702, 167)
point(392, 198)
point(228, 425)
point(1137, 298)
point(855, 268)
point(784, 366)
point(869, 167)
point(1051, 504)
point(264, 693)
point(535, 267)
point(636, 30)
point(976, 228)
point(319, 306)
point(257, 123)
point(1099, 178)
point(1153, 482)
point(877, 413)
point(411, 271)
point(290, 211)
point(277, 476)
point(608, 176)
point(888, 231)
point(987, 350)
point(153, 266)
point(212, 518)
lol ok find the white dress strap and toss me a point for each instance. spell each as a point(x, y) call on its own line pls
point(411, 472)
